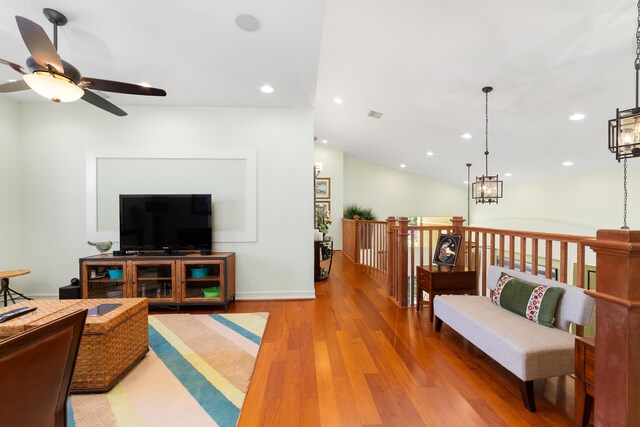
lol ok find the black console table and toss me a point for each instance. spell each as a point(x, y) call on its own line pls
point(323, 258)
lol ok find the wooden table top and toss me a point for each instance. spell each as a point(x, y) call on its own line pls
point(13, 273)
point(436, 269)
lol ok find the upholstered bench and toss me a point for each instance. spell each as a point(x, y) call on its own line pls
point(529, 350)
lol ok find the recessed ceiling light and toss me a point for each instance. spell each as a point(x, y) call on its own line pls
point(266, 89)
point(507, 174)
point(465, 182)
point(324, 140)
point(466, 135)
point(429, 153)
point(576, 116)
point(144, 84)
point(248, 23)
point(567, 163)
point(402, 165)
point(12, 80)
point(337, 100)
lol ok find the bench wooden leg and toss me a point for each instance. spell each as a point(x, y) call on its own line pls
point(528, 398)
point(438, 324)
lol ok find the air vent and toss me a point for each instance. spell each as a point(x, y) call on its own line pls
point(374, 114)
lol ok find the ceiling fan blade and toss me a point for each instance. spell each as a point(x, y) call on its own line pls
point(111, 86)
point(100, 102)
point(16, 86)
point(12, 65)
point(39, 44)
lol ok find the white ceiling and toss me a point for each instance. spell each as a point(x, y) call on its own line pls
point(420, 62)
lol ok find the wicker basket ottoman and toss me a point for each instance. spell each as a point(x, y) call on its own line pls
point(111, 344)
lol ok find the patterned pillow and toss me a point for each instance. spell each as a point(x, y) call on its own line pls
point(535, 302)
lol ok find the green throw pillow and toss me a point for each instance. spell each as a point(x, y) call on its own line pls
point(535, 302)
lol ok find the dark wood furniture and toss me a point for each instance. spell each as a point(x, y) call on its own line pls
point(173, 280)
point(436, 280)
point(5, 290)
point(323, 252)
point(36, 367)
point(585, 378)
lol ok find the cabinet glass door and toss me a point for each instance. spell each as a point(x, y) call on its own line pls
point(154, 280)
point(203, 281)
point(105, 280)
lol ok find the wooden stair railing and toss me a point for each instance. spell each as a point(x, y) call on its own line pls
point(537, 253)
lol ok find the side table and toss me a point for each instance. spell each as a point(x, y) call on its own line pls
point(5, 290)
point(436, 280)
point(585, 378)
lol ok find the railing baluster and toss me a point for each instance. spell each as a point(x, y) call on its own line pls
point(413, 267)
point(512, 252)
point(492, 260)
point(563, 261)
point(469, 248)
point(501, 252)
point(476, 267)
point(534, 257)
point(548, 258)
point(430, 247)
point(523, 254)
point(421, 247)
point(580, 266)
point(484, 264)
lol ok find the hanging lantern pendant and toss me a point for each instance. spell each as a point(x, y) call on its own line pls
point(624, 130)
point(487, 188)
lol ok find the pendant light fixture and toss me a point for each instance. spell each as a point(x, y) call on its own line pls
point(624, 130)
point(487, 188)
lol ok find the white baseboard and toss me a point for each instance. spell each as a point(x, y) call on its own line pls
point(42, 295)
point(247, 296)
point(275, 295)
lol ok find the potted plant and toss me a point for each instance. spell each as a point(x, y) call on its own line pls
point(323, 219)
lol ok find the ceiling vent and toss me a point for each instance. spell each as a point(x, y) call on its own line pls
point(374, 114)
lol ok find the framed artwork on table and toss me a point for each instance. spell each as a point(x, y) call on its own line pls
point(323, 188)
point(447, 249)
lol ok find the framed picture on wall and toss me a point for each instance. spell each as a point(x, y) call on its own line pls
point(447, 249)
point(324, 204)
point(323, 188)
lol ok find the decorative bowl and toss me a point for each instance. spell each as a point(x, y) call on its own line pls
point(213, 292)
point(115, 274)
point(199, 272)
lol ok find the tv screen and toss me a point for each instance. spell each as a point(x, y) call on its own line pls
point(165, 222)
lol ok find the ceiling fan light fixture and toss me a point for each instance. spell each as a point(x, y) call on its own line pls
point(53, 86)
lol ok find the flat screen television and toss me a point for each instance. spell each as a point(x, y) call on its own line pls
point(166, 222)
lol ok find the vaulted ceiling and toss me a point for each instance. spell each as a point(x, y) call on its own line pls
point(422, 63)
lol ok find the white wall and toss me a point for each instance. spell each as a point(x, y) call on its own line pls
point(572, 204)
point(10, 190)
point(392, 192)
point(333, 167)
point(55, 137)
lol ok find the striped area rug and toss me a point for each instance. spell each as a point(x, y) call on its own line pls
point(196, 373)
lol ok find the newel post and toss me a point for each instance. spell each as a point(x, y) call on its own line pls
point(356, 238)
point(458, 223)
point(617, 379)
point(391, 257)
point(403, 261)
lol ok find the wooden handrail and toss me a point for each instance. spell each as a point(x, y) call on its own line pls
point(482, 246)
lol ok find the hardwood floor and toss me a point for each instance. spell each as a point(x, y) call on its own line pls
point(353, 358)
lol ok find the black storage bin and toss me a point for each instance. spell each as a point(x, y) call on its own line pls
point(71, 291)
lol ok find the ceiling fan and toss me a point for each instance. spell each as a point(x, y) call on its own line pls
point(56, 79)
